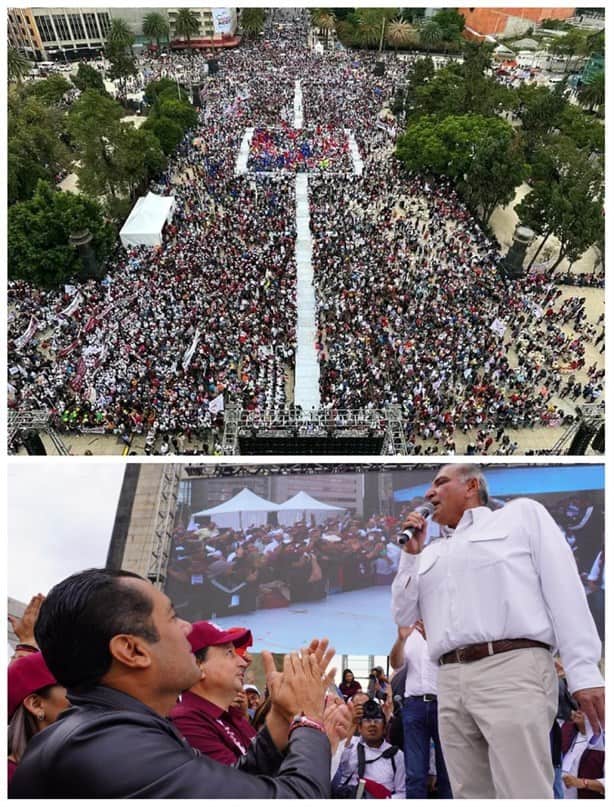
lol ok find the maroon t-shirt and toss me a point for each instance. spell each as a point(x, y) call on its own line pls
point(221, 735)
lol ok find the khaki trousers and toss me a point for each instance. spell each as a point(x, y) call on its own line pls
point(495, 717)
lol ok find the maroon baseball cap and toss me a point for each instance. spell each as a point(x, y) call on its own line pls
point(26, 675)
point(208, 634)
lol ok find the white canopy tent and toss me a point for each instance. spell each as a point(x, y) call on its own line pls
point(302, 506)
point(144, 225)
point(246, 509)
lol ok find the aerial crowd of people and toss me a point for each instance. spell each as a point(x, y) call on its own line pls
point(411, 306)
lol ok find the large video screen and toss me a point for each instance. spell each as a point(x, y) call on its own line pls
point(295, 555)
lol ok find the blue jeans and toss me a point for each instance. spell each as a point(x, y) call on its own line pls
point(419, 727)
point(559, 790)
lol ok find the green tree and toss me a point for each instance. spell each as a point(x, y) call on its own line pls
point(540, 111)
point(592, 94)
point(566, 199)
point(156, 26)
point(17, 65)
point(481, 154)
point(440, 94)
point(372, 24)
point(477, 58)
point(180, 111)
point(572, 44)
point(120, 35)
point(88, 78)
point(431, 35)
point(39, 229)
point(586, 132)
point(94, 123)
point(400, 34)
point(138, 157)
point(34, 144)
point(451, 24)
point(324, 21)
point(118, 50)
point(186, 24)
point(49, 91)
point(168, 132)
point(164, 88)
point(252, 21)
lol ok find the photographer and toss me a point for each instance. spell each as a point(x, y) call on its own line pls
point(378, 684)
point(370, 757)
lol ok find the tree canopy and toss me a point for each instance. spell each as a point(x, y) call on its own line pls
point(156, 26)
point(34, 142)
point(39, 229)
point(481, 154)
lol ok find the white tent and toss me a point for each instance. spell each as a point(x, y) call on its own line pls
point(246, 509)
point(303, 506)
point(146, 220)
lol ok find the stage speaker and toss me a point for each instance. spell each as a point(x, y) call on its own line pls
point(213, 66)
point(34, 445)
point(581, 440)
point(599, 440)
point(196, 94)
point(379, 68)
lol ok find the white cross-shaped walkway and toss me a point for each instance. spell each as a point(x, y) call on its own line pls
point(307, 366)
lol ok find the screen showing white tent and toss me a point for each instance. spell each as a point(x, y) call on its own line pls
point(247, 509)
point(144, 225)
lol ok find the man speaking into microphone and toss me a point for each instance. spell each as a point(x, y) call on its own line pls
point(497, 593)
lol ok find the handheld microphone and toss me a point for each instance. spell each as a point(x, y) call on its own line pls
point(425, 510)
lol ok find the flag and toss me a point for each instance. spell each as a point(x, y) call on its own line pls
point(498, 326)
point(217, 404)
point(187, 356)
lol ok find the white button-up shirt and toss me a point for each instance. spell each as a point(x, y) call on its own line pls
point(421, 678)
point(503, 574)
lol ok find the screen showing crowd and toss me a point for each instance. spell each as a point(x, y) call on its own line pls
point(244, 544)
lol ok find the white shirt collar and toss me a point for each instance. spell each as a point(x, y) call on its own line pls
point(470, 517)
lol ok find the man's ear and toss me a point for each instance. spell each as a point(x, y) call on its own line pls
point(33, 704)
point(130, 651)
point(473, 487)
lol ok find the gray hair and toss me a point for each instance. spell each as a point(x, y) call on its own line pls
point(467, 472)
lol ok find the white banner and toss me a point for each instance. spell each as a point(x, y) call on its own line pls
point(498, 326)
point(222, 20)
point(72, 306)
point(217, 404)
point(187, 356)
point(25, 337)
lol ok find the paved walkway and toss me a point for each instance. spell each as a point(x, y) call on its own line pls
point(298, 105)
point(243, 155)
point(356, 158)
point(307, 374)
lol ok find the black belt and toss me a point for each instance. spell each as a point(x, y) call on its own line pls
point(475, 652)
point(426, 698)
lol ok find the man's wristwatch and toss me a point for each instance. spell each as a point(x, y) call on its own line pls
point(303, 720)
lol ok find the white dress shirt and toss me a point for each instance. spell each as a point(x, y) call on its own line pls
point(421, 678)
point(503, 574)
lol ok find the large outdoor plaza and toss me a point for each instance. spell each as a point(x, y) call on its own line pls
point(332, 258)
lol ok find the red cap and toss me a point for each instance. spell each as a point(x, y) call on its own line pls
point(207, 634)
point(26, 675)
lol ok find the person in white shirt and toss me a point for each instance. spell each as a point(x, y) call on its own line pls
point(419, 713)
point(497, 592)
point(382, 766)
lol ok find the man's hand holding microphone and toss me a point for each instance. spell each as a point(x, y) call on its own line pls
point(413, 535)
